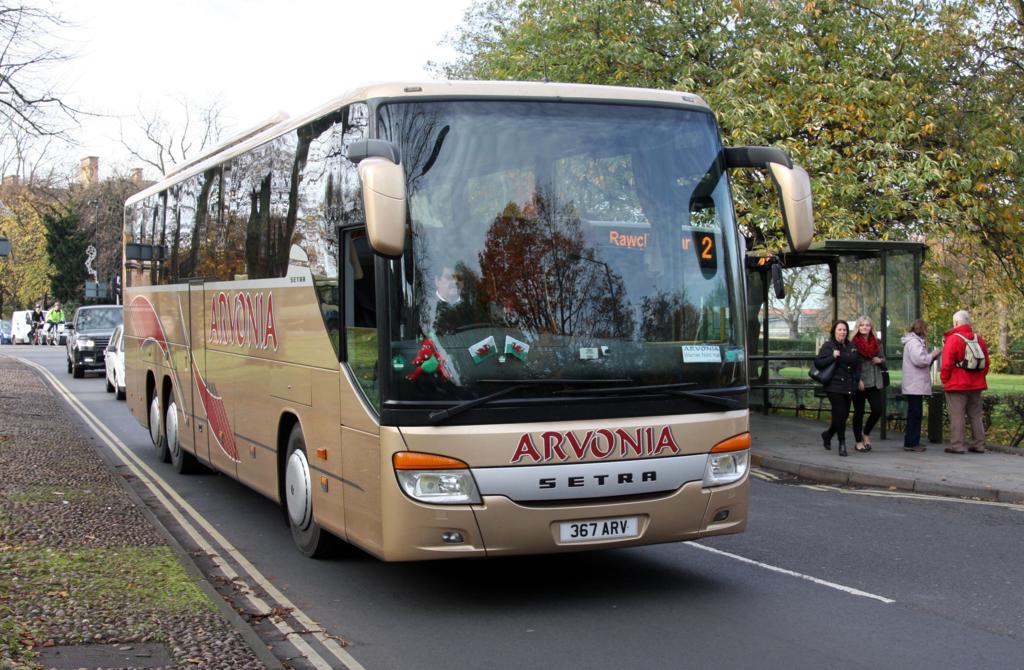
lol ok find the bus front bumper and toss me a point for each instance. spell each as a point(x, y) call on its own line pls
point(502, 527)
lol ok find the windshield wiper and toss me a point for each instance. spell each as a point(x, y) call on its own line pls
point(443, 414)
point(667, 388)
point(568, 381)
point(713, 398)
point(515, 385)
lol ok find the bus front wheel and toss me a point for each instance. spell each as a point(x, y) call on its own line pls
point(309, 537)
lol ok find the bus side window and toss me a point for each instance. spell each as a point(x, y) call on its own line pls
point(361, 313)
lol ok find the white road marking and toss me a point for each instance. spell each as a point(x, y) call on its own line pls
point(154, 483)
point(791, 573)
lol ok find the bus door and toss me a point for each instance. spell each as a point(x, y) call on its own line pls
point(218, 369)
point(197, 371)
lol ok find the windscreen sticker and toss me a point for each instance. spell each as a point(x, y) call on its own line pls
point(483, 349)
point(589, 353)
point(701, 353)
point(733, 354)
point(516, 348)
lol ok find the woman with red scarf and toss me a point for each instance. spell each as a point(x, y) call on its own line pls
point(870, 387)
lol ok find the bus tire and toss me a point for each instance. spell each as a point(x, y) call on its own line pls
point(156, 430)
point(312, 540)
point(184, 463)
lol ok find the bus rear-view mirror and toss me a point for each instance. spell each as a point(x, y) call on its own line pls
point(792, 184)
point(383, 180)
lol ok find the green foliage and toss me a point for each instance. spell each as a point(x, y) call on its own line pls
point(24, 275)
point(859, 94)
point(65, 245)
point(909, 117)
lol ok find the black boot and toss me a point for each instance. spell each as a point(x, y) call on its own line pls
point(826, 440)
point(842, 448)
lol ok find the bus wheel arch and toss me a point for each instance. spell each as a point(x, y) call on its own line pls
point(284, 431)
point(309, 537)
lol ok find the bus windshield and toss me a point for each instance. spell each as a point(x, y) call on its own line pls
point(584, 242)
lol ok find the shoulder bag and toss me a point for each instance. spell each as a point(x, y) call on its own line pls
point(822, 375)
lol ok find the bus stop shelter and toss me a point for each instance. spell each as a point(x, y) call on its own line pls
point(833, 279)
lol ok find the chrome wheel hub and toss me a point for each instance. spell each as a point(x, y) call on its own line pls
point(298, 494)
point(154, 420)
point(172, 429)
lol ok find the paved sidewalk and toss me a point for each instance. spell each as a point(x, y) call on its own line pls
point(87, 577)
point(794, 446)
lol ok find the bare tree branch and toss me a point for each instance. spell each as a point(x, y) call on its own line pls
point(26, 102)
point(160, 142)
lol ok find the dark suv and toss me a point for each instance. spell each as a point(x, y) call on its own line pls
point(88, 335)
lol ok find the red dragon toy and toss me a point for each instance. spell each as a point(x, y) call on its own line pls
point(428, 359)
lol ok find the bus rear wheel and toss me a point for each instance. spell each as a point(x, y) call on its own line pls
point(309, 537)
point(156, 431)
point(184, 463)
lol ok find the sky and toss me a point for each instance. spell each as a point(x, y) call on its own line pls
point(257, 57)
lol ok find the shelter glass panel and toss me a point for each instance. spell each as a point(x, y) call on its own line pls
point(901, 300)
point(860, 290)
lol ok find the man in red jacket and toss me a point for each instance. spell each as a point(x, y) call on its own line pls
point(963, 387)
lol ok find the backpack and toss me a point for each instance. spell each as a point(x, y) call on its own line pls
point(974, 356)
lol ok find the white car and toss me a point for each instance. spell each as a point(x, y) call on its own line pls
point(113, 359)
point(21, 326)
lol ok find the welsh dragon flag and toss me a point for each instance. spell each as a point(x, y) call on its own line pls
point(516, 348)
point(483, 349)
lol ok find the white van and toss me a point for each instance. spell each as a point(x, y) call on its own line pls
point(21, 326)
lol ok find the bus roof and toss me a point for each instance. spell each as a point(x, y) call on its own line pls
point(281, 124)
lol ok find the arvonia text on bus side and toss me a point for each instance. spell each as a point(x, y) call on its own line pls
point(458, 318)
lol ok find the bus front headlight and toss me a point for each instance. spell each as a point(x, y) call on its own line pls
point(728, 461)
point(434, 479)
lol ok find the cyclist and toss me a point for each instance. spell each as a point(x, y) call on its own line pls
point(53, 319)
point(37, 320)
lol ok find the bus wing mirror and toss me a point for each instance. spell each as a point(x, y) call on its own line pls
point(792, 184)
point(383, 180)
point(794, 187)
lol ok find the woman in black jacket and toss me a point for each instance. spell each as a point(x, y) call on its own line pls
point(844, 382)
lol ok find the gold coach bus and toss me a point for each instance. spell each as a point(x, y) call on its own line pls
point(458, 318)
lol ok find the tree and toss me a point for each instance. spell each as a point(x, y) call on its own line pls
point(25, 274)
point(858, 93)
point(65, 246)
point(99, 210)
point(909, 117)
point(161, 139)
point(801, 285)
point(32, 113)
point(26, 102)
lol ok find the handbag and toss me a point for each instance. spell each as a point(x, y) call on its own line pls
point(885, 377)
point(822, 375)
